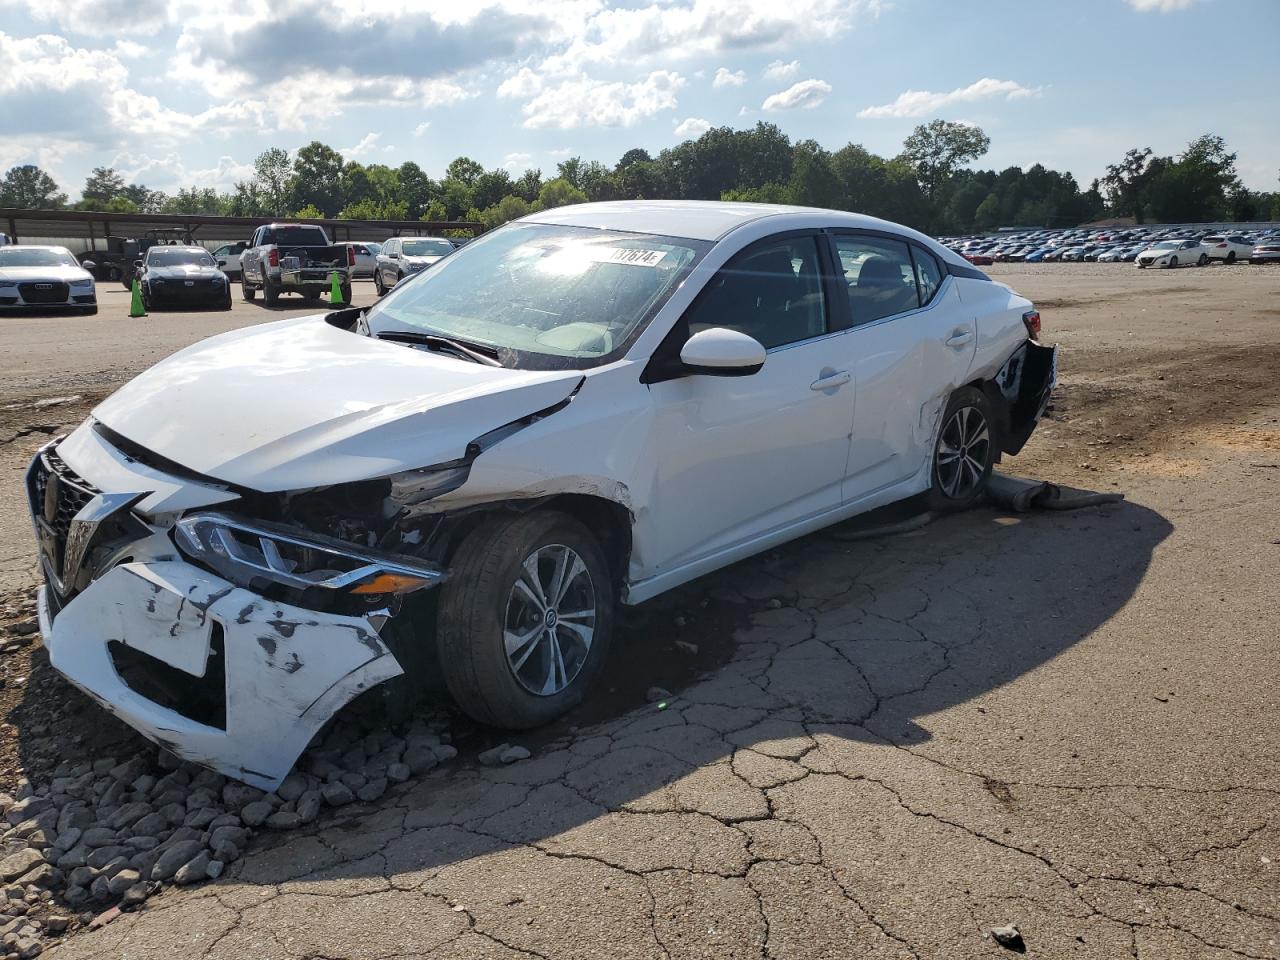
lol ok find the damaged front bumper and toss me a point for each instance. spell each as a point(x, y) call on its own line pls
point(211, 671)
point(198, 656)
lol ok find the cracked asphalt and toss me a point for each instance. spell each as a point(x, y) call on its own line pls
point(1065, 721)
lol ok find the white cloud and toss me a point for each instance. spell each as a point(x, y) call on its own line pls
point(586, 102)
point(1159, 6)
point(726, 78)
point(368, 144)
point(523, 83)
point(777, 70)
point(560, 152)
point(919, 103)
point(422, 128)
point(693, 127)
point(804, 95)
point(517, 161)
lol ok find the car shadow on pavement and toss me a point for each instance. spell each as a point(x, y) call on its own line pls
point(861, 643)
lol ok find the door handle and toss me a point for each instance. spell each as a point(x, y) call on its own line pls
point(831, 381)
point(959, 338)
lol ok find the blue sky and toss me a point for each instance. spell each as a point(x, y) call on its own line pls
point(183, 92)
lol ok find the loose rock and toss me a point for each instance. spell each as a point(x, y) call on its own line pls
point(514, 754)
point(1009, 937)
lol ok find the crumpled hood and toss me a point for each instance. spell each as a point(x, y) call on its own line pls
point(300, 403)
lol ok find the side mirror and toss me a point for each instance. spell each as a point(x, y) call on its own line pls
point(137, 264)
point(720, 352)
point(88, 265)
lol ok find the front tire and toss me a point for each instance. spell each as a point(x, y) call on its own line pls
point(1173, 263)
point(526, 619)
point(964, 452)
point(377, 283)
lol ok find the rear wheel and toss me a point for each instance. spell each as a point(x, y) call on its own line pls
point(1231, 257)
point(246, 292)
point(346, 293)
point(1204, 258)
point(270, 292)
point(964, 452)
point(526, 619)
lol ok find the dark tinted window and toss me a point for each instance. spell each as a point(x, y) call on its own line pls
point(771, 291)
point(299, 236)
point(880, 275)
point(175, 256)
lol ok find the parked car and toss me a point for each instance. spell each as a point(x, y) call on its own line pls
point(44, 277)
point(228, 258)
point(979, 259)
point(1173, 253)
point(365, 260)
point(1268, 251)
point(294, 258)
point(131, 250)
point(402, 256)
point(1227, 247)
point(589, 407)
point(182, 277)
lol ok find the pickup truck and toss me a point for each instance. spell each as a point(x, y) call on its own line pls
point(293, 258)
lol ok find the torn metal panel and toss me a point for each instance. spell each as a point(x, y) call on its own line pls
point(1026, 382)
point(287, 670)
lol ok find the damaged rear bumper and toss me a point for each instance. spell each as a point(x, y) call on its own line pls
point(211, 671)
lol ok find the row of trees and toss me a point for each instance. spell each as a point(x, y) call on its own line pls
point(928, 185)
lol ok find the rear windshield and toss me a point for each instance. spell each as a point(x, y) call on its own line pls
point(297, 237)
point(169, 257)
point(18, 257)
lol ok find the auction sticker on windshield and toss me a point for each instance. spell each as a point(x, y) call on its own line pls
point(630, 255)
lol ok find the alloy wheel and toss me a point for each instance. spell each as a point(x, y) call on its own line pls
point(964, 448)
point(550, 620)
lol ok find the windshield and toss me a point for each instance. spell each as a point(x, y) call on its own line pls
point(543, 296)
point(18, 257)
point(169, 257)
point(1167, 245)
point(426, 248)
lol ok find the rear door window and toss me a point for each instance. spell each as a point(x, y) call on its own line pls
point(880, 276)
point(928, 273)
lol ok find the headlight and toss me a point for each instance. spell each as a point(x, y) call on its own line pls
point(8, 283)
point(86, 282)
point(252, 553)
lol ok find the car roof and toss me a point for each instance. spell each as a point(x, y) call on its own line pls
point(166, 247)
point(692, 219)
point(35, 246)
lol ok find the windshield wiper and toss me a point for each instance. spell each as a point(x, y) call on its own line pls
point(434, 341)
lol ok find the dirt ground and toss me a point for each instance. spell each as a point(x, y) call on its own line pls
point(881, 748)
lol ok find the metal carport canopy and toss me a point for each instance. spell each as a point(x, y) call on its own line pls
point(95, 225)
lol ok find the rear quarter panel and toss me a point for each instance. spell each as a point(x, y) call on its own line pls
point(998, 311)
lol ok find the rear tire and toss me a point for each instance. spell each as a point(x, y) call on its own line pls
point(270, 293)
point(963, 453)
point(1231, 257)
point(510, 658)
point(247, 292)
point(1204, 258)
point(346, 293)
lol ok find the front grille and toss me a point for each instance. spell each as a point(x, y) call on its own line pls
point(43, 292)
point(72, 493)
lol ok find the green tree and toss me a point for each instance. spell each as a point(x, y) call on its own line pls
point(766, 193)
point(1124, 183)
point(813, 182)
point(273, 176)
point(245, 200)
point(203, 201)
point(147, 201)
point(435, 211)
point(100, 187)
point(465, 170)
point(987, 216)
point(570, 171)
point(490, 187)
point(1198, 185)
point(371, 208)
point(634, 155)
point(528, 185)
point(29, 187)
point(939, 148)
point(508, 208)
point(559, 193)
point(317, 178)
point(416, 188)
point(309, 212)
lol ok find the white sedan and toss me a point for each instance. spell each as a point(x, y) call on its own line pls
point(1173, 253)
point(581, 409)
point(33, 277)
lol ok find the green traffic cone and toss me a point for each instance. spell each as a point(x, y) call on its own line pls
point(136, 309)
point(335, 291)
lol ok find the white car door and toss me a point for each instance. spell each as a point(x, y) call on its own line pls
point(736, 457)
point(907, 357)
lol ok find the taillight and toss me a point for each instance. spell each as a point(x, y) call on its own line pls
point(273, 258)
point(1032, 321)
point(351, 256)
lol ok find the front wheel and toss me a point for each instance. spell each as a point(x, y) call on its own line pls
point(964, 453)
point(1173, 262)
point(377, 283)
point(525, 620)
